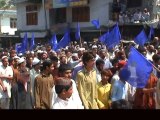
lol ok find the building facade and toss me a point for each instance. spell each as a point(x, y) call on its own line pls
point(47, 17)
point(8, 22)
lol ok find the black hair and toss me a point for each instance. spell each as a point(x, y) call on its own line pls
point(62, 84)
point(121, 104)
point(156, 58)
point(60, 88)
point(46, 63)
point(54, 58)
point(64, 67)
point(87, 56)
point(99, 62)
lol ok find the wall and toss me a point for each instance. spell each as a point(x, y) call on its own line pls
point(5, 26)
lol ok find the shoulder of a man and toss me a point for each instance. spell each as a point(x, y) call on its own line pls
point(39, 77)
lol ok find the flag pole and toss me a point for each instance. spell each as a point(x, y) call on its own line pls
point(100, 31)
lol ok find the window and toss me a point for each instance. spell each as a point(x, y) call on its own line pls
point(32, 15)
point(13, 22)
point(60, 15)
point(81, 14)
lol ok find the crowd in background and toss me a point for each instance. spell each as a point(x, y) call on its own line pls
point(77, 77)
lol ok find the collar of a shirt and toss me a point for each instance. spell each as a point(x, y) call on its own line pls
point(85, 70)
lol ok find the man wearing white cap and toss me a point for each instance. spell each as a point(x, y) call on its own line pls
point(95, 51)
point(34, 72)
point(6, 75)
point(74, 60)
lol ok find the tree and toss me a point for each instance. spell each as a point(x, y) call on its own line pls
point(6, 4)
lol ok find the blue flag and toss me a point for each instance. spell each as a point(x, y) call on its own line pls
point(18, 48)
point(32, 43)
point(139, 68)
point(151, 33)
point(64, 41)
point(53, 42)
point(141, 38)
point(113, 38)
point(24, 43)
point(104, 37)
point(96, 23)
point(77, 34)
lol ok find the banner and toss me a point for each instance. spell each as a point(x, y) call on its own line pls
point(69, 3)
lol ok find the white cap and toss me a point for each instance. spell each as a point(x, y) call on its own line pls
point(81, 49)
point(85, 42)
point(35, 61)
point(27, 52)
point(4, 57)
point(39, 51)
point(94, 46)
point(16, 57)
point(32, 52)
point(75, 54)
point(20, 54)
point(21, 60)
point(44, 52)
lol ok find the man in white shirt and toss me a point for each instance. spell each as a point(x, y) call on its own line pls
point(64, 90)
point(65, 71)
point(34, 72)
point(6, 75)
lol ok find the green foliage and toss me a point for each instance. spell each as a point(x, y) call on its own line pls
point(2, 3)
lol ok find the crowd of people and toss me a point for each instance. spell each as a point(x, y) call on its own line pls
point(124, 15)
point(77, 77)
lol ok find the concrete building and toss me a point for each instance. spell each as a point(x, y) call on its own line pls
point(46, 17)
point(8, 22)
point(55, 20)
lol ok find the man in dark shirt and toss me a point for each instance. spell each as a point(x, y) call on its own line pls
point(21, 92)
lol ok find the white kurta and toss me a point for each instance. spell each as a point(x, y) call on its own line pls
point(6, 71)
point(75, 97)
point(66, 104)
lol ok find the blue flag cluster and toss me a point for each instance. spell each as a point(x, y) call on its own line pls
point(112, 38)
point(18, 48)
point(53, 42)
point(32, 43)
point(64, 41)
point(139, 69)
point(104, 37)
point(141, 38)
point(24, 43)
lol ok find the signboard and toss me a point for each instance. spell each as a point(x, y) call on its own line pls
point(68, 3)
